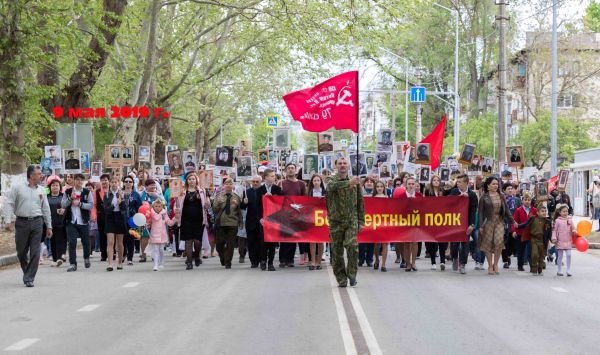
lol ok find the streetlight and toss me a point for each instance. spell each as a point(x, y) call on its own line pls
point(406, 94)
point(456, 94)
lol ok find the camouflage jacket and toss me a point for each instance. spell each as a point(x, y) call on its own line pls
point(344, 204)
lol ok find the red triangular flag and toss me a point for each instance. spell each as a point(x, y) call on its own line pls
point(436, 142)
point(332, 103)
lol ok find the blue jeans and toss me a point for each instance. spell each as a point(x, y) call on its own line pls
point(75, 231)
point(478, 255)
point(365, 252)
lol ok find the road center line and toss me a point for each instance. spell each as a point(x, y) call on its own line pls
point(560, 289)
point(131, 284)
point(343, 320)
point(88, 308)
point(372, 343)
point(22, 344)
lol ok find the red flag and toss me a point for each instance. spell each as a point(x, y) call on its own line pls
point(332, 103)
point(436, 142)
point(552, 183)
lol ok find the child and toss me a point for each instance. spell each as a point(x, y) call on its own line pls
point(539, 228)
point(157, 223)
point(562, 236)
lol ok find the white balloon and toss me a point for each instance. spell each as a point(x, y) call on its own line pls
point(139, 219)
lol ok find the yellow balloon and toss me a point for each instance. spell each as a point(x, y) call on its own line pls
point(584, 228)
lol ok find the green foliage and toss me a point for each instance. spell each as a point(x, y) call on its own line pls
point(591, 20)
point(535, 138)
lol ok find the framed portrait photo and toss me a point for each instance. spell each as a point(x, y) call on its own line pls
point(385, 140)
point(563, 179)
point(224, 156)
point(127, 156)
point(281, 138)
point(189, 161)
point(325, 142)
point(358, 164)
point(175, 163)
point(144, 153)
point(310, 166)
point(423, 153)
point(72, 158)
point(263, 156)
point(514, 156)
point(424, 174)
point(467, 154)
point(541, 191)
point(244, 168)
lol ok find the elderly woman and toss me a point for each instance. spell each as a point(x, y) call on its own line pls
point(493, 215)
point(191, 214)
point(228, 218)
point(59, 234)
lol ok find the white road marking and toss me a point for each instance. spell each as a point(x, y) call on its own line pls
point(131, 284)
point(88, 308)
point(372, 343)
point(343, 320)
point(22, 344)
point(560, 289)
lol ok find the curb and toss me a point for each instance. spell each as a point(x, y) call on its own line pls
point(12, 259)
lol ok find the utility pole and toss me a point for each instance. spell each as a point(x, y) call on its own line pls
point(393, 109)
point(419, 134)
point(553, 131)
point(501, 23)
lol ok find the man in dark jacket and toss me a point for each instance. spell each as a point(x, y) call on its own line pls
point(267, 250)
point(253, 227)
point(511, 244)
point(462, 248)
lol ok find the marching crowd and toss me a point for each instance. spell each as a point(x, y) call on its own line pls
point(53, 212)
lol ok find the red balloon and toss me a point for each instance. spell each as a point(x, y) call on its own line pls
point(143, 209)
point(574, 237)
point(582, 244)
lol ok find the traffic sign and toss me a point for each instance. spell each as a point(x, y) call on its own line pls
point(417, 94)
point(344, 142)
point(272, 120)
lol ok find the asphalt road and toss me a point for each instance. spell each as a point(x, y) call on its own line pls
point(211, 310)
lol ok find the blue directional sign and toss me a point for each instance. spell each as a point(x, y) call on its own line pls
point(417, 94)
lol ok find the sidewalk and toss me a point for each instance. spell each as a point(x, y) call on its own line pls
point(8, 253)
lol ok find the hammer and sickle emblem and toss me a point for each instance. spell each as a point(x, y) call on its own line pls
point(344, 96)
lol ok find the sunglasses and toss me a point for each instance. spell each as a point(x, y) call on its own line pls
point(128, 182)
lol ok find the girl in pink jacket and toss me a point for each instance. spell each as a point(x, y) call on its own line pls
point(562, 233)
point(157, 224)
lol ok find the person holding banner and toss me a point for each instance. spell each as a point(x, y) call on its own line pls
point(410, 248)
point(398, 189)
point(291, 186)
point(462, 189)
point(316, 189)
point(380, 248)
point(434, 189)
point(253, 227)
point(493, 213)
point(366, 250)
point(346, 214)
point(267, 250)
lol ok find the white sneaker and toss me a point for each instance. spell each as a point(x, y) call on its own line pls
point(433, 267)
point(477, 266)
point(155, 268)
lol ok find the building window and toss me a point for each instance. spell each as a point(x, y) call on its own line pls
point(565, 101)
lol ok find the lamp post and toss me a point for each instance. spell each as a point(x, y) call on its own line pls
point(405, 95)
point(456, 91)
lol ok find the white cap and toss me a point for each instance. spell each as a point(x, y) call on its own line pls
point(596, 179)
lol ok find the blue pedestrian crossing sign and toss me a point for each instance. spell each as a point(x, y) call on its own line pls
point(272, 120)
point(417, 94)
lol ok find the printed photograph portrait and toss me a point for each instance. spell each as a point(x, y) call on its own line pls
point(263, 156)
point(423, 153)
point(175, 187)
point(385, 171)
point(541, 191)
point(245, 146)
point(206, 179)
point(327, 162)
point(175, 163)
point(325, 142)
point(189, 158)
point(212, 156)
point(284, 157)
point(514, 156)
point(524, 186)
point(563, 179)
point(96, 171)
point(385, 140)
point(144, 153)
point(339, 154)
point(114, 157)
point(371, 161)
point(128, 154)
point(488, 165)
point(55, 154)
point(310, 166)
point(244, 167)
point(72, 160)
point(445, 174)
point(425, 174)
point(46, 165)
point(476, 163)
point(157, 171)
point(144, 166)
point(224, 156)
point(281, 138)
point(117, 172)
point(453, 165)
point(166, 170)
point(273, 156)
point(401, 149)
point(85, 162)
point(383, 157)
point(467, 153)
point(358, 164)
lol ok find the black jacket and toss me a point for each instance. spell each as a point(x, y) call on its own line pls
point(255, 206)
point(473, 201)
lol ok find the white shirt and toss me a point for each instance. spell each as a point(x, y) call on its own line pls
point(409, 195)
point(76, 217)
point(317, 193)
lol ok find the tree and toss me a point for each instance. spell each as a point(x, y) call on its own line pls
point(591, 20)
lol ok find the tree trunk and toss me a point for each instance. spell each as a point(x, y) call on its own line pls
point(12, 118)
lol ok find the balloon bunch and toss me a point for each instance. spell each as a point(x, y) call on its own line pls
point(138, 221)
point(584, 228)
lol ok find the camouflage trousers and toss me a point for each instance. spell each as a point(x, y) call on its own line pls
point(344, 237)
point(538, 252)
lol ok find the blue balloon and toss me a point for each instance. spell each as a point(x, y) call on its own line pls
point(130, 222)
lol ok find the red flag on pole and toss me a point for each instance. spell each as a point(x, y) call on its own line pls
point(332, 103)
point(436, 142)
point(552, 183)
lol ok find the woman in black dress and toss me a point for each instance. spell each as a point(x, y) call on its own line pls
point(58, 241)
point(190, 211)
point(114, 224)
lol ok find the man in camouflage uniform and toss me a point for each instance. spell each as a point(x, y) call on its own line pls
point(346, 214)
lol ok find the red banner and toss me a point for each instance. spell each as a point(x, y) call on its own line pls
point(332, 103)
point(304, 219)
